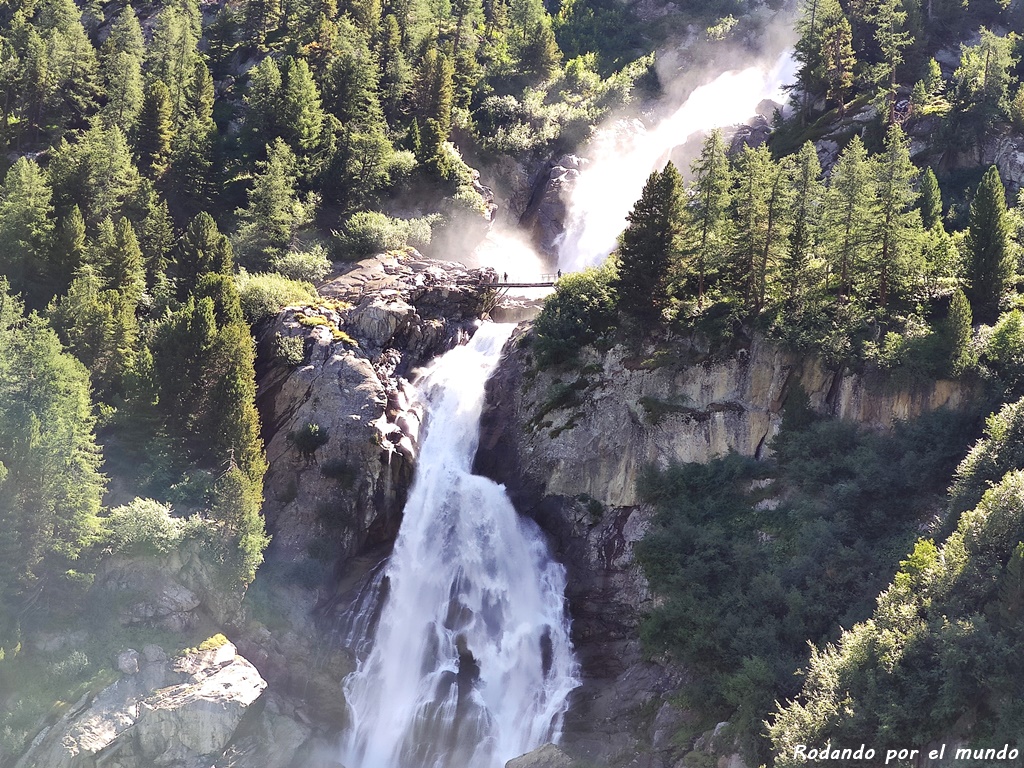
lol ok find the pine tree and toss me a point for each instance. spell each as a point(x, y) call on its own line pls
point(838, 61)
point(709, 201)
point(435, 94)
point(990, 263)
point(274, 212)
point(850, 213)
point(762, 198)
point(125, 35)
point(959, 334)
point(930, 201)
point(173, 55)
point(260, 20)
point(203, 250)
point(51, 484)
point(649, 247)
point(350, 90)
point(221, 35)
point(981, 84)
point(123, 53)
point(123, 74)
point(156, 239)
point(26, 230)
point(263, 117)
point(892, 38)
point(301, 113)
point(69, 250)
point(808, 193)
point(395, 73)
point(897, 236)
point(156, 131)
point(123, 266)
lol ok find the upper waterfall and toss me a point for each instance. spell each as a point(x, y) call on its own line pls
point(621, 160)
point(471, 662)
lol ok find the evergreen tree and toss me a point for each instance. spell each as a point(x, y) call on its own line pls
point(762, 199)
point(896, 244)
point(990, 263)
point(395, 73)
point(156, 239)
point(123, 266)
point(889, 20)
point(274, 212)
point(69, 251)
point(959, 334)
point(173, 55)
point(123, 74)
point(837, 60)
point(435, 93)
point(97, 174)
point(930, 200)
point(203, 250)
point(123, 53)
point(850, 213)
point(808, 194)
point(301, 114)
point(26, 230)
point(263, 116)
point(350, 90)
point(649, 247)
point(98, 326)
point(50, 484)
point(709, 201)
point(156, 131)
point(981, 84)
point(221, 35)
point(260, 20)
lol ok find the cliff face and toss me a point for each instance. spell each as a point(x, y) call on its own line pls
point(570, 447)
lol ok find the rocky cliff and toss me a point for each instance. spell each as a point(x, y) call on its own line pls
point(570, 444)
point(341, 423)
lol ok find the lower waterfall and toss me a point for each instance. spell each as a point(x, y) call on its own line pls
point(470, 662)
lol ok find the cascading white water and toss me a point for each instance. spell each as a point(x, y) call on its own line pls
point(622, 156)
point(471, 662)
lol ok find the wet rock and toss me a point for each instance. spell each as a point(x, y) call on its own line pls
point(127, 662)
point(548, 756)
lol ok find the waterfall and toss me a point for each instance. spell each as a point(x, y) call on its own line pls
point(470, 662)
point(622, 155)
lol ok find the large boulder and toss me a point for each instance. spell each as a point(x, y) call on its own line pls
point(180, 713)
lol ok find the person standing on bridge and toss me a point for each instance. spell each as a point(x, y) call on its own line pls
point(506, 277)
point(559, 274)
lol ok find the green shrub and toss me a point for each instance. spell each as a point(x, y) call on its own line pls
point(370, 232)
point(581, 311)
point(263, 295)
point(308, 438)
point(289, 350)
point(71, 668)
point(145, 526)
point(310, 266)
